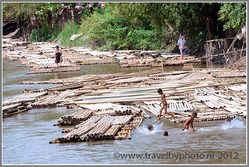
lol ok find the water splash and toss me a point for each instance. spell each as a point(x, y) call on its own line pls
point(156, 128)
point(235, 123)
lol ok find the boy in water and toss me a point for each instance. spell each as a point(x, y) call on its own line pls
point(189, 123)
point(150, 127)
point(228, 120)
point(164, 105)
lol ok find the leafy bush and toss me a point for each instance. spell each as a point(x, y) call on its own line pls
point(110, 31)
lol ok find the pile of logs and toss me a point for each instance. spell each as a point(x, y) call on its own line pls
point(78, 116)
point(16, 108)
point(94, 128)
point(172, 106)
point(230, 74)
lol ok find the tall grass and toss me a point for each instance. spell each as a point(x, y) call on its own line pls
point(68, 30)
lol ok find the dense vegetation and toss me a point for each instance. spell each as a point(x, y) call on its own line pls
point(132, 25)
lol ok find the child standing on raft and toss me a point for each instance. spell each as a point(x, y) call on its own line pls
point(164, 105)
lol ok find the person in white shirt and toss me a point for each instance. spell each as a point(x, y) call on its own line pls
point(181, 43)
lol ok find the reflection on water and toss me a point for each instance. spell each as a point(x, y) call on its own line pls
point(26, 136)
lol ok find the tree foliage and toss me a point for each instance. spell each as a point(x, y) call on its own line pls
point(233, 14)
point(139, 25)
point(159, 23)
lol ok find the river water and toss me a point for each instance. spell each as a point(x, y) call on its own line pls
point(26, 136)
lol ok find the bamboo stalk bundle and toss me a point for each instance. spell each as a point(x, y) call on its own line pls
point(138, 111)
point(122, 120)
point(97, 133)
point(78, 116)
point(75, 134)
point(112, 131)
point(198, 76)
point(240, 87)
point(106, 112)
point(65, 87)
point(25, 97)
point(47, 101)
point(175, 106)
point(92, 119)
point(48, 70)
point(128, 80)
point(6, 108)
point(229, 74)
point(66, 130)
point(15, 110)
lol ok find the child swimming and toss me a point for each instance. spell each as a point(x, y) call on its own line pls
point(150, 127)
point(189, 123)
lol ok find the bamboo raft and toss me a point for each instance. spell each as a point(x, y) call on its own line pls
point(16, 108)
point(230, 74)
point(93, 127)
point(192, 90)
point(78, 116)
point(53, 70)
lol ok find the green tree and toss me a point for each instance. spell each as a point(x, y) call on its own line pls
point(233, 14)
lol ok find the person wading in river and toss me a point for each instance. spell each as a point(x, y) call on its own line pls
point(164, 105)
point(189, 123)
point(58, 55)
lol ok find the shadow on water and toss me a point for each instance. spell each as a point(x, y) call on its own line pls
point(26, 136)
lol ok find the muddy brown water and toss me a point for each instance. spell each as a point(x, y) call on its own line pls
point(26, 136)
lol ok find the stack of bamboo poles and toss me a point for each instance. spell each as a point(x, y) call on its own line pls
point(172, 106)
point(12, 109)
point(75, 134)
point(67, 86)
point(198, 76)
point(92, 131)
point(75, 118)
point(125, 110)
point(105, 112)
point(52, 70)
point(19, 103)
point(128, 80)
point(52, 99)
point(24, 98)
point(115, 109)
point(216, 100)
point(93, 119)
point(116, 120)
point(94, 127)
point(230, 74)
point(97, 133)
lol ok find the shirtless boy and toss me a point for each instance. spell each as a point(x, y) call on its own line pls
point(164, 105)
point(189, 123)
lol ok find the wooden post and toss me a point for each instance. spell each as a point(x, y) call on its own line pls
point(207, 50)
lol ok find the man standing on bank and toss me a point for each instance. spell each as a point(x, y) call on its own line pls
point(58, 55)
point(164, 105)
point(181, 43)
